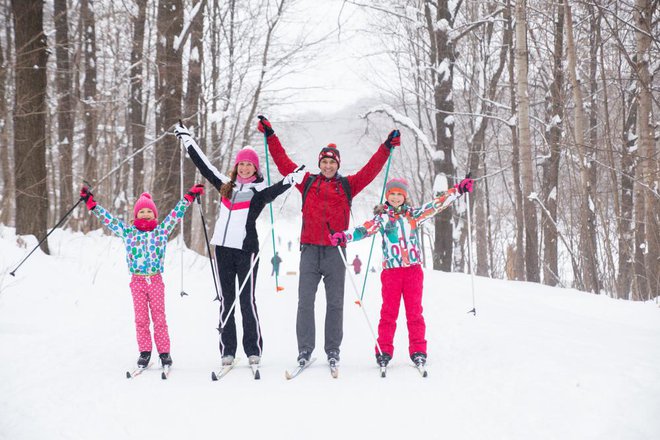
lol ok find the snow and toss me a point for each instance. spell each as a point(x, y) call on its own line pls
point(535, 362)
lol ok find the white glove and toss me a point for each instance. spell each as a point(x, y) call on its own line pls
point(180, 130)
point(295, 178)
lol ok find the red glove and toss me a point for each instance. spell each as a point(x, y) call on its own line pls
point(464, 185)
point(195, 191)
point(393, 139)
point(264, 126)
point(88, 197)
point(338, 238)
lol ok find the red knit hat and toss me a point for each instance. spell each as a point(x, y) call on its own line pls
point(397, 185)
point(145, 202)
point(248, 154)
point(330, 152)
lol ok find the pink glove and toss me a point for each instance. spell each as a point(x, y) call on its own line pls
point(88, 197)
point(195, 191)
point(464, 185)
point(337, 239)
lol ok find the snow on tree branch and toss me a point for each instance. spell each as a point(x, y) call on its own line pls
point(404, 121)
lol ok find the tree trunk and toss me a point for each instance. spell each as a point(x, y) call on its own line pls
point(649, 285)
point(442, 59)
point(89, 88)
point(30, 119)
point(66, 109)
point(168, 97)
point(551, 165)
point(518, 270)
point(136, 107)
point(192, 106)
point(526, 156)
point(6, 205)
point(588, 250)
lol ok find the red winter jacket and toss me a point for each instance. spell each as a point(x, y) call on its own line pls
point(326, 207)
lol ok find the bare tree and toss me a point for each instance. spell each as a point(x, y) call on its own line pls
point(66, 104)
point(526, 160)
point(136, 106)
point(6, 205)
point(168, 97)
point(30, 119)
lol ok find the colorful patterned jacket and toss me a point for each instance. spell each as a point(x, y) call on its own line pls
point(399, 228)
point(145, 250)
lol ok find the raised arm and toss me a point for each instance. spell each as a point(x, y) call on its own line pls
point(169, 222)
point(108, 220)
point(282, 160)
point(368, 173)
point(210, 173)
point(442, 201)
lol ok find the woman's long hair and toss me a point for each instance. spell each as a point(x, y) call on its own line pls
point(227, 189)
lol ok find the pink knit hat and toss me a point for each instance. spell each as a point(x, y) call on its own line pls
point(145, 202)
point(247, 154)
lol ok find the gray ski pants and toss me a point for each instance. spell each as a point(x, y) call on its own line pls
point(318, 262)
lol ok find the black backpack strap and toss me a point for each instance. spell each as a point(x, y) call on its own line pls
point(347, 190)
point(308, 185)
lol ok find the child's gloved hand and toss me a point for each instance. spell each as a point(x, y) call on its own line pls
point(195, 191)
point(464, 185)
point(393, 140)
point(180, 130)
point(264, 126)
point(337, 239)
point(88, 197)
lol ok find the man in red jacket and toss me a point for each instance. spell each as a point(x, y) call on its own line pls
point(325, 210)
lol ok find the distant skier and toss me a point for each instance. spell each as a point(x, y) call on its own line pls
point(275, 261)
point(402, 274)
point(243, 196)
point(145, 241)
point(357, 265)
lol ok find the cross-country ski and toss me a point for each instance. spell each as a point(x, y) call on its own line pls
point(299, 369)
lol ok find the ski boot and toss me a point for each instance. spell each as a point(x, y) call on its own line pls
point(333, 357)
point(227, 360)
point(254, 360)
point(165, 359)
point(382, 359)
point(303, 357)
point(418, 358)
point(143, 360)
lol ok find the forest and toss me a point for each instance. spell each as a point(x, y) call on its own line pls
point(551, 106)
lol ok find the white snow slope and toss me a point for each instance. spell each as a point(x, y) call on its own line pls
point(534, 363)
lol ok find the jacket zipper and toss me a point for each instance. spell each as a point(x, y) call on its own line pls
point(224, 236)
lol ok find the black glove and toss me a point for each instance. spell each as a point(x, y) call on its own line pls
point(393, 140)
point(264, 126)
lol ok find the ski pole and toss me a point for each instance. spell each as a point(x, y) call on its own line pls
point(240, 290)
point(208, 249)
point(359, 302)
point(64, 217)
point(181, 237)
point(270, 208)
point(469, 222)
point(371, 249)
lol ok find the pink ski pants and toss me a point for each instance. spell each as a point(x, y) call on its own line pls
point(149, 294)
point(409, 283)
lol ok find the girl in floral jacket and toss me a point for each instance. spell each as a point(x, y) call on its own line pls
point(402, 274)
point(145, 241)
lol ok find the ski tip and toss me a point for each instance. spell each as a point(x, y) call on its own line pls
point(163, 376)
point(128, 375)
point(287, 375)
point(257, 375)
point(425, 374)
point(213, 376)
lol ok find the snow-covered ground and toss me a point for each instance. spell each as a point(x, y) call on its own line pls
point(534, 363)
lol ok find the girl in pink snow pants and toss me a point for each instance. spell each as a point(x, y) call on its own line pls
point(145, 241)
point(402, 275)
